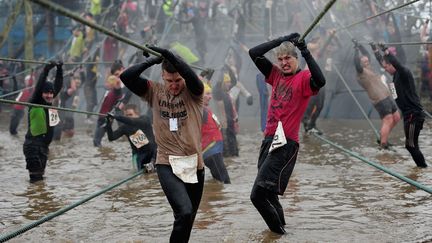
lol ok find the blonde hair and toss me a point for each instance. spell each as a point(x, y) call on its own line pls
point(207, 87)
point(286, 48)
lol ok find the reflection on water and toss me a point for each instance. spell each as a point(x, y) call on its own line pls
point(331, 197)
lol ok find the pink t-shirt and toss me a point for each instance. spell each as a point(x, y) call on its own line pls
point(289, 99)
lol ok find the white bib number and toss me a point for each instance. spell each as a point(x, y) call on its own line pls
point(139, 139)
point(173, 124)
point(184, 167)
point(54, 118)
point(279, 138)
point(216, 119)
point(392, 90)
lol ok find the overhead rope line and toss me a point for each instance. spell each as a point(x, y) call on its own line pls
point(50, 107)
point(59, 9)
point(15, 92)
point(317, 19)
point(380, 167)
point(401, 43)
point(8, 236)
point(376, 15)
point(46, 62)
point(356, 101)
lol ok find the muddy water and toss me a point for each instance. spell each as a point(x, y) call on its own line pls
point(331, 197)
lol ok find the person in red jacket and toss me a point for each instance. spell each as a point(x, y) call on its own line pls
point(212, 141)
point(18, 110)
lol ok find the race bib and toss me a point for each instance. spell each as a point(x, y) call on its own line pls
point(279, 138)
point(173, 124)
point(234, 92)
point(184, 167)
point(54, 118)
point(216, 119)
point(392, 90)
point(139, 139)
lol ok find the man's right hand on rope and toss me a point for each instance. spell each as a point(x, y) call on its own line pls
point(373, 46)
point(291, 37)
point(50, 65)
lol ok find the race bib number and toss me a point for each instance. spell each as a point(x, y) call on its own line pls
point(279, 138)
point(216, 119)
point(173, 124)
point(185, 167)
point(392, 90)
point(54, 118)
point(234, 92)
point(139, 139)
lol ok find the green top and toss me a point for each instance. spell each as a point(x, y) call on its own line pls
point(38, 123)
point(77, 46)
point(95, 7)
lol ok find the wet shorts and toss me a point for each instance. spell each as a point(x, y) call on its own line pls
point(275, 168)
point(386, 106)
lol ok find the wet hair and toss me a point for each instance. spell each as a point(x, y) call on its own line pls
point(167, 66)
point(286, 48)
point(131, 107)
point(117, 65)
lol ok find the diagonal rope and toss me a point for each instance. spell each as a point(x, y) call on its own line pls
point(45, 62)
point(317, 19)
point(376, 15)
point(50, 107)
point(380, 167)
point(10, 235)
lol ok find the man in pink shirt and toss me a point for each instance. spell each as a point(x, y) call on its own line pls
point(291, 91)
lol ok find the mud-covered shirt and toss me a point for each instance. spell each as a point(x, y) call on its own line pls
point(185, 110)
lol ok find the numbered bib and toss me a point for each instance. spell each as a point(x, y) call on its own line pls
point(184, 167)
point(392, 90)
point(54, 118)
point(216, 119)
point(139, 139)
point(173, 124)
point(234, 92)
point(279, 138)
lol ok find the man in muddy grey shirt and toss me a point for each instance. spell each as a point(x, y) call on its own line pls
point(177, 119)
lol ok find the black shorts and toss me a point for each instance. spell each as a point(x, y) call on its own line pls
point(275, 168)
point(386, 107)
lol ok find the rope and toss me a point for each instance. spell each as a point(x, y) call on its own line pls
point(356, 101)
point(45, 62)
point(57, 8)
point(317, 19)
point(401, 43)
point(8, 236)
point(50, 107)
point(15, 92)
point(380, 167)
point(376, 15)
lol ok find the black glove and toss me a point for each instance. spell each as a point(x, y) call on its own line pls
point(300, 44)
point(249, 100)
point(382, 46)
point(146, 54)
point(291, 37)
point(373, 46)
point(109, 117)
point(160, 50)
point(59, 64)
point(50, 65)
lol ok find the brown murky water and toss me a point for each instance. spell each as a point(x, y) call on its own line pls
point(331, 197)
